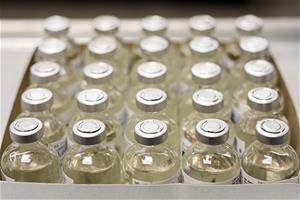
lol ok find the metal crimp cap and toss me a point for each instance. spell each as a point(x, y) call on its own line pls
point(154, 24)
point(37, 99)
point(212, 131)
point(152, 72)
point(52, 47)
point(98, 73)
point(249, 23)
point(254, 44)
point(206, 73)
point(26, 130)
point(208, 100)
point(151, 132)
point(205, 24)
point(263, 99)
point(89, 132)
point(154, 45)
point(272, 131)
point(151, 99)
point(92, 100)
point(106, 24)
point(44, 72)
point(203, 45)
point(259, 71)
point(57, 24)
point(104, 46)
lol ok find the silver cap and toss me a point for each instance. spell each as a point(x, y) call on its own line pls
point(106, 24)
point(151, 132)
point(263, 99)
point(26, 130)
point(208, 100)
point(206, 73)
point(249, 24)
point(204, 45)
point(44, 72)
point(212, 131)
point(254, 45)
point(154, 24)
point(103, 46)
point(154, 45)
point(259, 71)
point(151, 99)
point(152, 72)
point(202, 24)
point(89, 132)
point(92, 100)
point(272, 131)
point(57, 25)
point(52, 47)
point(98, 73)
point(37, 99)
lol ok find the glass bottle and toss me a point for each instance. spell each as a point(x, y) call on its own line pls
point(207, 103)
point(55, 50)
point(263, 103)
point(154, 25)
point(93, 104)
point(270, 158)
point(105, 49)
point(151, 160)
point(203, 75)
point(256, 73)
point(57, 26)
point(46, 74)
point(90, 161)
point(27, 159)
point(99, 75)
point(152, 103)
point(211, 160)
point(108, 25)
point(37, 103)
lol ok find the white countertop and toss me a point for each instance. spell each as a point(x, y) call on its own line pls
point(20, 37)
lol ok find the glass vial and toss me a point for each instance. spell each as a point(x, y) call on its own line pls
point(90, 161)
point(27, 159)
point(211, 160)
point(270, 158)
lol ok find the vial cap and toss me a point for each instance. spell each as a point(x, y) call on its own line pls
point(154, 45)
point(103, 46)
point(272, 131)
point(206, 73)
point(154, 24)
point(203, 45)
point(254, 44)
point(44, 72)
point(205, 24)
point(37, 99)
point(106, 24)
point(151, 99)
point(89, 132)
point(263, 99)
point(249, 24)
point(152, 72)
point(92, 100)
point(259, 71)
point(208, 100)
point(52, 47)
point(212, 131)
point(151, 132)
point(26, 130)
point(98, 73)
point(57, 24)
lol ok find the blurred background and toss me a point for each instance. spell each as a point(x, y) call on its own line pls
point(140, 8)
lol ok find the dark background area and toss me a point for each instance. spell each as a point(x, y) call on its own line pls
point(140, 8)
